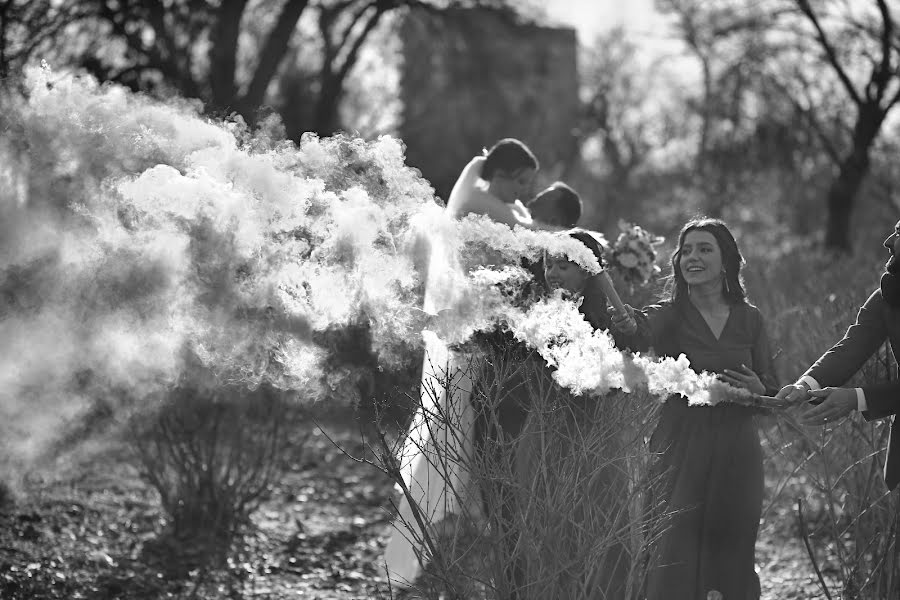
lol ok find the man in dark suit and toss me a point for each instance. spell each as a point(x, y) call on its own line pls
point(878, 320)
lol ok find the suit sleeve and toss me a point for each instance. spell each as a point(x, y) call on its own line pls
point(763, 365)
point(882, 400)
point(845, 358)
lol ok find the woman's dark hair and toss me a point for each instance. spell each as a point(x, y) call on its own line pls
point(560, 200)
point(587, 238)
point(508, 156)
point(732, 285)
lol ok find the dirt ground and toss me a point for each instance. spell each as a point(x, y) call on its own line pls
point(90, 532)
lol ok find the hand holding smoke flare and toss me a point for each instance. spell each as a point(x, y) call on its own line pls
point(585, 361)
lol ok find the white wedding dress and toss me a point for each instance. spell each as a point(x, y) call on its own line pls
point(439, 445)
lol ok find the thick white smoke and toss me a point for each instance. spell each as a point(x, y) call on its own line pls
point(140, 239)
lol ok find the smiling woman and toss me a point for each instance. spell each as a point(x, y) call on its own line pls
point(709, 458)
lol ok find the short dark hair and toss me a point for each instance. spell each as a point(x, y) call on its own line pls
point(508, 156)
point(732, 260)
point(560, 200)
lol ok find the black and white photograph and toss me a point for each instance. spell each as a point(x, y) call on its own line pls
point(449, 299)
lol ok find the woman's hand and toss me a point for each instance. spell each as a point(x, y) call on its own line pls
point(744, 378)
point(795, 393)
point(622, 321)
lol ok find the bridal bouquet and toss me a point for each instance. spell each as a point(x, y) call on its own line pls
point(633, 255)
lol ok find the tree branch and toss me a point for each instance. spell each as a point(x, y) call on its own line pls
point(813, 121)
point(893, 100)
point(882, 75)
point(223, 51)
point(155, 58)
point(348, 31)
point(4, 22)
point(156, 16)
point(272, 53)
point(830, 52)
point(350, 58)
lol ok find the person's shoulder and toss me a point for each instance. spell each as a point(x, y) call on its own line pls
point(475, 200)
point(877, 304)
point(749, 309)
point(875, 298)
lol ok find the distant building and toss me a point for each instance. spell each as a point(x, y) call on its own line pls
point(472, 76)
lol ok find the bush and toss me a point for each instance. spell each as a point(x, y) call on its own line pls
point(829, 479)
point(212, 454)
point(552, 505)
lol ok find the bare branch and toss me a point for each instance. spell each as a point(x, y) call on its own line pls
point(830, 52)
point(157, 19)
point(347, 34)
point(894, 99)
point(170, 68)
point(350, 58)
point(273, 52)
point(223, 51)
point(883, 74)
point(811, 118)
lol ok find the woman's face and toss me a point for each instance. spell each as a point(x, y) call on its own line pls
point(561, 273)
point(701, 258)
point(509, 187)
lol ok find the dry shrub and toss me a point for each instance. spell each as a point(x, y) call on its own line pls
point(846, 517)
point(555, 505)
point(211, 453)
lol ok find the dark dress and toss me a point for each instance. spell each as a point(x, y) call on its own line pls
point(709, 460)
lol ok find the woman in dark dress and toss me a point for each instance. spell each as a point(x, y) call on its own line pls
point(708, 458)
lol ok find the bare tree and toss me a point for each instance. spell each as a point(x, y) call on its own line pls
point(620, 113)
point(27, 25)
point(161, 43)
point(872, 97)
point(814, 53)
point(228, 54)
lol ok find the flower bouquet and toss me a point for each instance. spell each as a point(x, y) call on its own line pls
point(633, 255)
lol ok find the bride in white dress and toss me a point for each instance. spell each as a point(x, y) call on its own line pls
point(434, 455)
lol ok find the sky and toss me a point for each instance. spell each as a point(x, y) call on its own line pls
point(590, 17)
point(639, 18)
point(657, 43)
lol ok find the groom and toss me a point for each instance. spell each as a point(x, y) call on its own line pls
point(878, 319)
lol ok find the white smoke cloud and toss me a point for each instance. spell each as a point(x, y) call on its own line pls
point(140, 238)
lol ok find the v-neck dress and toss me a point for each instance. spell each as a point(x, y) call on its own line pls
point(708, 458)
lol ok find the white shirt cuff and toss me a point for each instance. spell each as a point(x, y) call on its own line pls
point(812, 383)
point(861, 400)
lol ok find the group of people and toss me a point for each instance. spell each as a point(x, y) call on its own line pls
point(707, 459)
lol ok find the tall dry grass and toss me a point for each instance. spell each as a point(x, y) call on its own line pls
point(555, 501)
point(825, 485)
point(555, 508)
